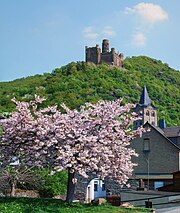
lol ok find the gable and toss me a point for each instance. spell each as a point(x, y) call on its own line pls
point(161, 132)
point(163, 155)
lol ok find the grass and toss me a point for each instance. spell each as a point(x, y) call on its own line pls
point(37, 205)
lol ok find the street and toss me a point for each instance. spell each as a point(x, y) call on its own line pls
point(169, 210)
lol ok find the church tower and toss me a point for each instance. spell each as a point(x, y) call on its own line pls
point(145, 109)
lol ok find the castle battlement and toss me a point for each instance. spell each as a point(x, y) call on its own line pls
point(94, 54)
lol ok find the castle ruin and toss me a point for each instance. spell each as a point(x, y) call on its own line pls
point(94, 54)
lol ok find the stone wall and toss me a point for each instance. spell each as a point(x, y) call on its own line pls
point(94, 55)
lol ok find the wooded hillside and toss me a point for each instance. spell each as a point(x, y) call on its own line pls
point(77, 83)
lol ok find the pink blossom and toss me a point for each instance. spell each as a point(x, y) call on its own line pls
point(94, 139)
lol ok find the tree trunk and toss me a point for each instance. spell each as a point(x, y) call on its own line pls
point(70, 186)
point(12, 192)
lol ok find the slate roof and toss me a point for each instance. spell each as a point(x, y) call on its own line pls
point(172, 131)
point(160, 131)
point(144, 99)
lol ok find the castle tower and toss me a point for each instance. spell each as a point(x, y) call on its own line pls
point(105, 46)
point(145, 109)
point(93, 54)
point(111, 58)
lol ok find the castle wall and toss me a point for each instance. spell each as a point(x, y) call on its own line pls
point(117, 60)
point(94, 55)
point(107, 58)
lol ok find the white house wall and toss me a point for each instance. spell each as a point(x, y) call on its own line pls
point(91, 194)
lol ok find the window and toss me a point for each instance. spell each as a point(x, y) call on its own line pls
point(146, 145)
point(147, 113)
point(153, 114)
point(158, 184)
point(95, 186)
point(103, 186)
point(153, 123)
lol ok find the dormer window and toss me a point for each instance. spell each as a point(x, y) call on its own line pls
point(146, 145)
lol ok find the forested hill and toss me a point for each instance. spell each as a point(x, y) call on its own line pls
point(77, 83)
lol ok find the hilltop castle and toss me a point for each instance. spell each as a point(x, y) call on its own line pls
point(94, 54)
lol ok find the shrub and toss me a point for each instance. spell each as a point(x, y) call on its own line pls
point(51, 185)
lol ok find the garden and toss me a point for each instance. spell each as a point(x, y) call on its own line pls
point(43, 150)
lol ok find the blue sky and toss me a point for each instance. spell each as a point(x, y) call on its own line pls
point(38, 36)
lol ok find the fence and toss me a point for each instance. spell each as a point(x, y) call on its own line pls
point(152, 201)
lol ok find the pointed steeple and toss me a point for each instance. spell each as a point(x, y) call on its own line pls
point(146, 110)
point(144, 99)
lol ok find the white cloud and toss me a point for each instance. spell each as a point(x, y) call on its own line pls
point(93, 34)
point(139, 39)
point(89, 33)
point(148, 12)
point(88, 29)
point(108, 31)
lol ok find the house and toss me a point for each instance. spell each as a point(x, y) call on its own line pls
point(88, 189)
point(158, 149)
point(158, 160)
point(95, 189)
point(174, 186)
